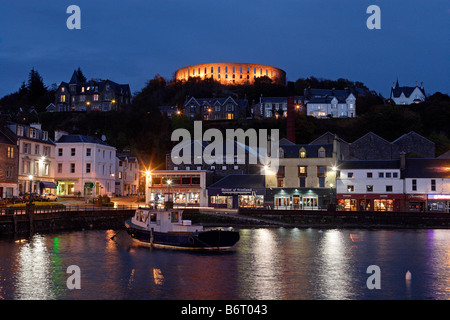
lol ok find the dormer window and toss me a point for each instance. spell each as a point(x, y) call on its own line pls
point(302, 153)
point(19, 130)
point(321, 152)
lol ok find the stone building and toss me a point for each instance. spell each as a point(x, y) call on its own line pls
point(92, 95)
point(231, 73)
point(215, 108)
point(9, 165)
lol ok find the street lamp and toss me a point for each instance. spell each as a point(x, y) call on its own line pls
point(31, 182)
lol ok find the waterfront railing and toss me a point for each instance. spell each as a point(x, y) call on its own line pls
point(64, 208)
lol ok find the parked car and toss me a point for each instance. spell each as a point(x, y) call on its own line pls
point(34, 196)
point(49, 197)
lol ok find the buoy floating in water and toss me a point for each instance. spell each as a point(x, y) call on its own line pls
point(408, 275)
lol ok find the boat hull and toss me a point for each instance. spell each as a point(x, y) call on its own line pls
point(214, 239)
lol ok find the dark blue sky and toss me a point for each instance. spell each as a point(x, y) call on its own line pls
point(131, 41)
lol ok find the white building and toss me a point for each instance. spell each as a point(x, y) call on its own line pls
point(36, 158)
point(85, 166)
point(127, 175)
point(335, 104)
point(427, 184)
point(407, 95)
point(366, 185)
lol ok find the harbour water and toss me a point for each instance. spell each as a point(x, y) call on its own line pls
point(267, 263)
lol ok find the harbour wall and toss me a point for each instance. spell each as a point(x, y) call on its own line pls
point(11, 224)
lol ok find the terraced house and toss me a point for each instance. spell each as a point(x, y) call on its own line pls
point(36, 167)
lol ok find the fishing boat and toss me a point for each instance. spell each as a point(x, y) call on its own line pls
point(166, 229)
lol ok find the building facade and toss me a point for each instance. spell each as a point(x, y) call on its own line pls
point(323, 103)
point(427, 184)
point(306, 177)
point(407, 95)
point(93, 95)
point(231, 73)
point(85, 166)
point(274, 107)
point(127, 175)
point(9, 165)
point(36, 158)
point(215, 108)
point(184, 188)
point(374, 185)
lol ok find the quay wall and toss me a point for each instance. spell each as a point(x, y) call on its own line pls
point(356, 219)
point(11, 224)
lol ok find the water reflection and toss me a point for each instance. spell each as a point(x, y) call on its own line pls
point(34, 271)
point(335, 275)
point(277, 264)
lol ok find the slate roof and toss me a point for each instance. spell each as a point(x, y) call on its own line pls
point(253, 181)
point(78, 138)
point(312, 150)
point(369, 164)
point(427, 168)
point(397, 90)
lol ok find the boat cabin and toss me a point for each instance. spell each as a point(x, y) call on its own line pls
point(163, 221)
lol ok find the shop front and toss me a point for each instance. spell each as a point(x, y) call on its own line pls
point(415, 202)
point(237, 191)
point(370, 202)
point(438, 202)
point(299, 198)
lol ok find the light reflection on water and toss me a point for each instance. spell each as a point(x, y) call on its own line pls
point(276, 264)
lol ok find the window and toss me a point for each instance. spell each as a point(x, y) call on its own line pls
point(321, 153)
point(27, 148)
point(88, 168)
point(369, 188)
point(60, 152)
point(369, 175)
point(46, 169)
point(302, 154)
point(350, 175)
point(388, 188)
point(10, 152)
point(72, 168)
point(414, 185)
point(380, 174)
point(302, 182)
point(62, 98)
point(395, 174)
point(36, 149)
point(302, 171)
point(88, 152)
point(350, 188)
point(433, 185)
point(59, 167)
point(95, 97)
point(72, 152)
point(19, 130)
point(322, 182)
point(388, 174)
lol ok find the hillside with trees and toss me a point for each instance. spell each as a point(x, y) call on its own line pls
point(143, 130)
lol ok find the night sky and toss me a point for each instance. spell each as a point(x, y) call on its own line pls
point(132, 41)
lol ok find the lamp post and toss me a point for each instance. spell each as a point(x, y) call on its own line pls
point(169, 182)
point(31, 182)
point(148, 180)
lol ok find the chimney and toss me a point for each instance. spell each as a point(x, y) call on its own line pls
point(421, 85)
point(402, 160)
point(59, 134)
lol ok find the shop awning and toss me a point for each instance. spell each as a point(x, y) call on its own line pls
point(47, 185)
